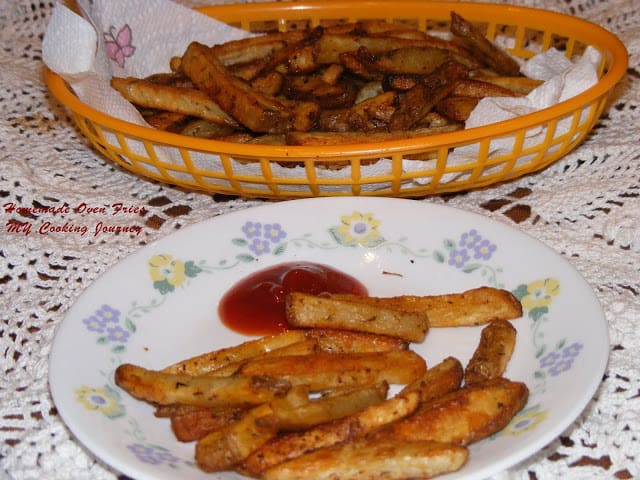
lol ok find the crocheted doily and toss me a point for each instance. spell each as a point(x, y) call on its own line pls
point(586, 206)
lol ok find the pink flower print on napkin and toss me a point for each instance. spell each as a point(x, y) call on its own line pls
point(118, 45)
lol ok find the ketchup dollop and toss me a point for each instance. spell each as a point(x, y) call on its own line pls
point(256, 304)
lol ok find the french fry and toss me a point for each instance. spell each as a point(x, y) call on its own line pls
point(256, 111)
point(222, 449)
point(465, 415)
point(373, 459)
point(420, 99)
point(208, 362)
point(187, 101)
point(521, 85)
point(199, 422)
point(323, 371)
point(478, 44)
point(491, 356)
point(437, 381)
point(325, 409)
point(348, 138)
point(414, 60)
point(345, 341)
point(354, 426)
point(457, 109)
point(202, 391)
point(476, 306)
point(304, 310)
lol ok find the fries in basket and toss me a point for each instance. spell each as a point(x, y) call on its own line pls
point(316, 400)
point(327, 85)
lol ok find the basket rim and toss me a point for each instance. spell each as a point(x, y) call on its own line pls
point(609, 44)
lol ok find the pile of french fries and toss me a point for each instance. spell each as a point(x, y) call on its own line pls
point(342, 395)
point(338, 84)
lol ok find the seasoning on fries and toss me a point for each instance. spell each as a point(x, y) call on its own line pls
point(316, 400)
point(356, 82)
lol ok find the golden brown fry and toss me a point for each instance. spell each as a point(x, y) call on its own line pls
point(199, 422)
point(354, 426)
point(324, 409)
point(188, 101)
point(322, 371)
point(258, 112)
point(407, 60)
point(202, 391)
point(464, 416)
point(490, 358)
point(521, 85)
point(303, 347)
point(482, 47)
point(345, 341)
point(419, 100)
point(457, 109)
point(475, 88)
point(203, 129)
point(368, 115)
point(349, 138)
point(222, 449)
point(210, 361)
point(476, 306)
point(305, 311)
point(373, 459)
point(254, 48)
point(437, 381)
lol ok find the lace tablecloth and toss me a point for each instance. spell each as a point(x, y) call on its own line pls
point(586, 207)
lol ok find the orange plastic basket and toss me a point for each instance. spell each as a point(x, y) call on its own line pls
point(384, 168)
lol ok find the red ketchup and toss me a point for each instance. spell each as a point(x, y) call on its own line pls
point(256, 304)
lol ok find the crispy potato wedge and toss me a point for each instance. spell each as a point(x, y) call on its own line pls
point(476, 306)
point(306, 311)
point(437, 381)
point(348, 138)
point(374, 459)
point(478, 44)
point(521, 85)
point(490, 358)
point(210, 361)
point(420, 99)
point(345, 341)
point(222, 449)
point(325, 409)
point(354, 426)
point(187, 101)
point(202, 391)
point(257, 112)
point(199, 422)
point(457, 109)
point(323, 371)
point(415, 60)
point(465, 415)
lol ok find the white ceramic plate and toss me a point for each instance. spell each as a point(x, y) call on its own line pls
point(159, 306)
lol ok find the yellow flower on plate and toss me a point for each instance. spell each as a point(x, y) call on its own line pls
point(525, 421)
point(360, 228)
point(540, 293)
point(165, 268)
point(99, 400)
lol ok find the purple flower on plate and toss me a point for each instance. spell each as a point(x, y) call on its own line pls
point(108, 314)
point(458, 258)
point(274, 232)
point(118, 334)
point(94, 323)
point(484, 249)
point(252, 229)
point(152, 455)
point(259, 246)
point(469, 239)
point(561, 360)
